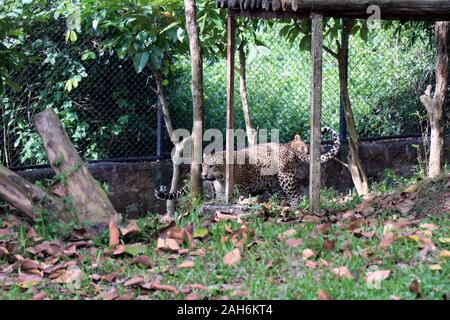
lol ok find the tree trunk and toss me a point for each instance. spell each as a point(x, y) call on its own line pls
point(435, 105)
point(179, 146)
point(355, 167)
point(315, 112)
point(251, 133)
point(196, 185)
point(88, 199)
point(29, 199)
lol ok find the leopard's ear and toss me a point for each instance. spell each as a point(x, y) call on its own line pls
point(297, 137)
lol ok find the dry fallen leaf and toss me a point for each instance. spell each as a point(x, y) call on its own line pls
point(119, 250)
point(191, 296)
point(405, 206)
point(199, 252)
point(3, 252)
point(387, 241)
point(167, 244)
point(435, 267)
point(375, 277)
point(72, 275)
point(323, 263)
point(328, 245)
point(188, 235)
point(322, 295)
point(130, 229)
point(164, 287)
point(412, 188)
point(287, 234)
point(429, 226)
point(444, 240)
point(311, 264)
point(39, 296)
point(134, 281)
point(307, 253)
point(221, 216)
point(28, 264)
point(239, 293)
point(25, 280)
point(110, 295)
point(144, 260)
point(342, 272)
point(444, 254)
point(198, 286)
point(239, 238)
point(293, 242)
point(232, 258)
point(113, 233)
point(186, 264)
point(415, 288)
point(175, 233)
point(126, 296)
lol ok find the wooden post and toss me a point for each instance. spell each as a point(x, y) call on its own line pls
point(230, 101)
point(316, 106)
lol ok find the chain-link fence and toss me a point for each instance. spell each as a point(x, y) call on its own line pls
point(109, 110)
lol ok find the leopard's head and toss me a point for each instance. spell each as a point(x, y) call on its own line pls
point(299, 147)
point(213, 167)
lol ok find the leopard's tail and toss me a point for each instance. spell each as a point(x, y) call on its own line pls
point(163, 194)
point(334, 149)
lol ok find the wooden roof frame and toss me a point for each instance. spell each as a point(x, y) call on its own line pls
point(404, 10)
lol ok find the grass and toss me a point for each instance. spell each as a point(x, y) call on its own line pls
point(269, 269)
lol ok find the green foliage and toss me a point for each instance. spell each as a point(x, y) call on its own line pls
point(16, 19)
point(106, 107)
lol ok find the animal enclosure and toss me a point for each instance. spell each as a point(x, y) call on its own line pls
point(111, 114)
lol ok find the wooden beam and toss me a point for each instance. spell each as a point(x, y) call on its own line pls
point(229, 158)
point(431, 10)
point(316, 108)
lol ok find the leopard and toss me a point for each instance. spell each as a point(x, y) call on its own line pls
point(267, 167)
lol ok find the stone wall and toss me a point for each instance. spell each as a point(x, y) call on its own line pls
point(131, 185)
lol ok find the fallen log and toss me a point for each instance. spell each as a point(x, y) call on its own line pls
point(29, 199)
point(88, 200)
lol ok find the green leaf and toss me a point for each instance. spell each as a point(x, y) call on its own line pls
point(165, 82)
point(252, 53)
point(170, 26)
point(67, 36)
point(140, 60)
point(181, 34)
point(200, 233)
point(305, 43)
point(73, 36)
point(264, 51)
point(13, 85)
point(136, 249)
point(364, 32)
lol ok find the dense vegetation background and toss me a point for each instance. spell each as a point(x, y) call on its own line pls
point(104, 99)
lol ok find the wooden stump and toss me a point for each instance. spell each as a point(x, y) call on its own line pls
point(88, 199)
